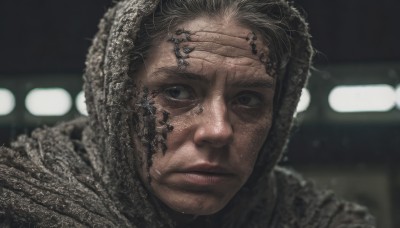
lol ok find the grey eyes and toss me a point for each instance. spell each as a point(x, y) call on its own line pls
point(184, 94)
point(249, 100)
point(178, 92)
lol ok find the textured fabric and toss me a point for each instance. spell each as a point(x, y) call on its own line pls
point(49, 180)
point(82, 173)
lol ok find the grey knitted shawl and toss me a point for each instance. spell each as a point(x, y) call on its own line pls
point(82, 173)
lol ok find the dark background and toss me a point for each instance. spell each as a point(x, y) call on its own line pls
point(44, 43)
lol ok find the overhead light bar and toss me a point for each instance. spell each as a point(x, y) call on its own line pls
point(48, 102)
point(362, 98)
point(80, 103)
point(7, 102)
point(398, 96)
point(305, 100)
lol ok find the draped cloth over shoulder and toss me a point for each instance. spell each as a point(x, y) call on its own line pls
point(82, 173)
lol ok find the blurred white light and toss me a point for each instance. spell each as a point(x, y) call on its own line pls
point(363, 98)
point(398, 96)
point(80, 103)
point(48, 102)
point(7, 102)
point(304, 101)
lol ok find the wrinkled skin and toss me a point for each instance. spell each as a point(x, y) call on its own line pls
point(220, 107)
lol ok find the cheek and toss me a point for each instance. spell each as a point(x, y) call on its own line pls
point(249, 142)
point(183, 128)
point(151, 126)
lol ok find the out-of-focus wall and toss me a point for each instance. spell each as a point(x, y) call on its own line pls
point(43, 45)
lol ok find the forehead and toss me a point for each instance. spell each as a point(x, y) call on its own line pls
point(210, 46)
point(223, 25)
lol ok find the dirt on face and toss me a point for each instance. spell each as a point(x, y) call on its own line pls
point(261, 53)
point(151, 127)
point(181, 52)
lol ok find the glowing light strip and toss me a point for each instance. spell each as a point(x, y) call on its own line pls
point(363, 98)
point(48, 102)
point(304, 102)
point(398, 96)
point(80, 103)
point(7, 102)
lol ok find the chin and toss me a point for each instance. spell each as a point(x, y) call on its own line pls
point(197, 209)
point(196, 204)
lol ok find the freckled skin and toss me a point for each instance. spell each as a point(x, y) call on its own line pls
point(233, 123)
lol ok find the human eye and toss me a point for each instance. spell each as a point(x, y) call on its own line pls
point(248, 100)
point(178, 93)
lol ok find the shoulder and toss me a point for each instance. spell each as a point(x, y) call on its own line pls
point(46, 179)
point(47, 150)
point(44, 143)
point(301, 204)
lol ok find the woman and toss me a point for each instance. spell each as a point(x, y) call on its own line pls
point(190, 107)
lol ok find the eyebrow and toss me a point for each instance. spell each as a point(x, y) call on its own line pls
point(175, 72)
point(254, 83)
point(240, 83)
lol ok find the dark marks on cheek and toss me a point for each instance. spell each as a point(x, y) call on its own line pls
point(181, 53)
point(146, 103)
point(165, 128)
point(151, 133)
point(146, 125)
point(165, 116)
point(199, 110)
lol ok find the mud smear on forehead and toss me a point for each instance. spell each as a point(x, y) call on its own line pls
point(151, 126)
point(262, 54)
point(181, 53)
point(257, 48)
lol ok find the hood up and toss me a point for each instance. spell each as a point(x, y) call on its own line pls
point(109, 90)
point(83, 173)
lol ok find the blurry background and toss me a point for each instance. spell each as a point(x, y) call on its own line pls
point(348, 134)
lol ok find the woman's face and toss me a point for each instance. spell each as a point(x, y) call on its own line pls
point(211, 99)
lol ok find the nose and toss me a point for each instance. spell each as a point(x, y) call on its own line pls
point(214, 128)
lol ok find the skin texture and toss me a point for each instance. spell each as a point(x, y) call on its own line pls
point(220, 106)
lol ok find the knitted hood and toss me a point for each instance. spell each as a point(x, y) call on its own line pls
point(109, 92)
point(83, 172)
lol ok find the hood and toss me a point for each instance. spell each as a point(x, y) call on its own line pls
point(109, 90)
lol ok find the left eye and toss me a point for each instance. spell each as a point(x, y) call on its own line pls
point(178, 93)
point(249, 100)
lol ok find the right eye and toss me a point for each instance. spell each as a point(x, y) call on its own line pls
point(249, 100)
point(178, 93)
